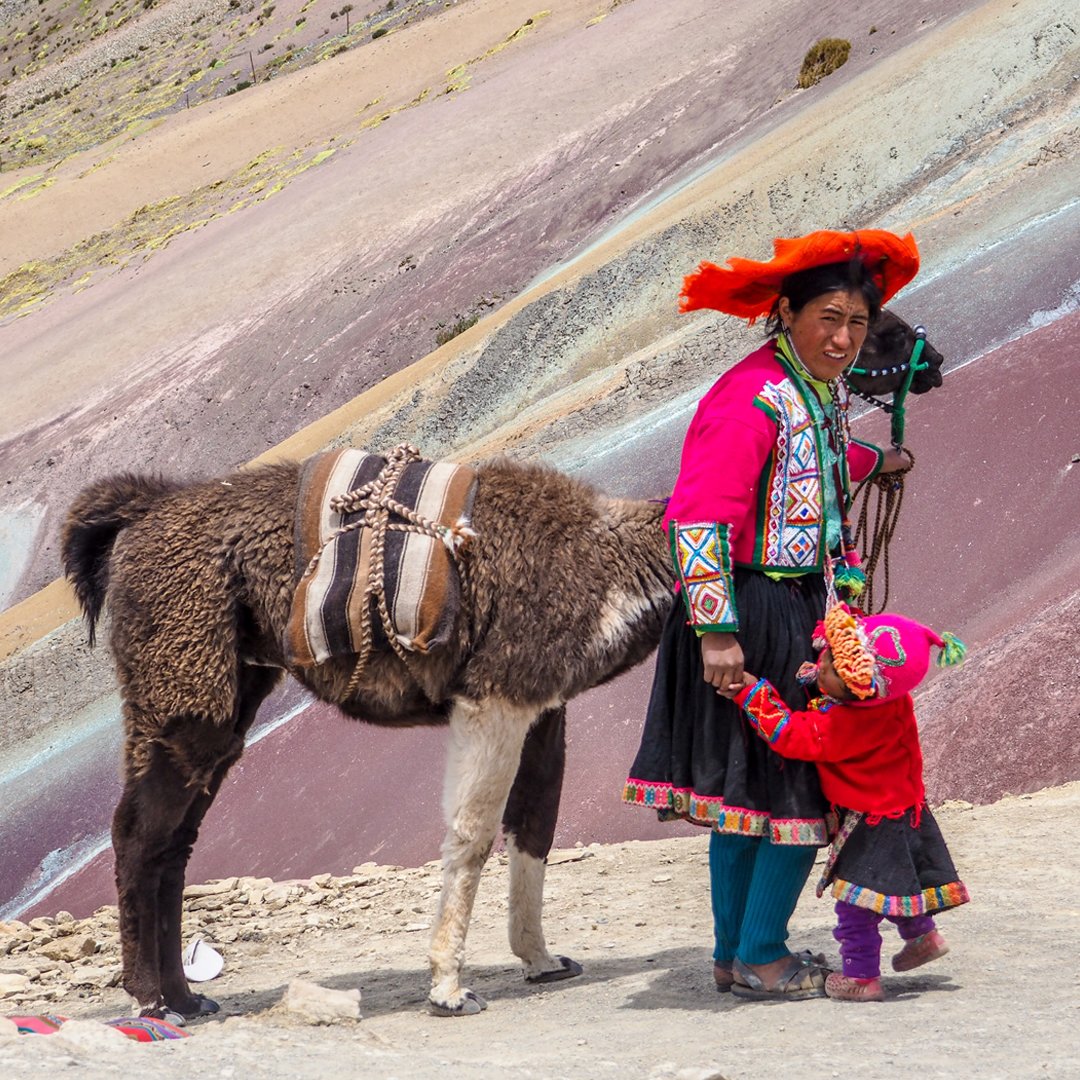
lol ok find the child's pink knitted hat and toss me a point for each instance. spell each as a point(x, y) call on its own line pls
point(882, 657)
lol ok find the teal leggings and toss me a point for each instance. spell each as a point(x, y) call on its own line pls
point(755, 885)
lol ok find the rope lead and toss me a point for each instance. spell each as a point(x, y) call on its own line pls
point(875, 542)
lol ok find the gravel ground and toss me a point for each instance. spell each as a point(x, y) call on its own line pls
point(1003, 1005)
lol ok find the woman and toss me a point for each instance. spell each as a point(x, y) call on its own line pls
point(759, 539)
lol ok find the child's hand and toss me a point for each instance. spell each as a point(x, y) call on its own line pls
point(735, 688)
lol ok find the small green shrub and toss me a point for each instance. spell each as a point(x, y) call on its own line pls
point(379, 33)
point(823, 58)
point(448, 333)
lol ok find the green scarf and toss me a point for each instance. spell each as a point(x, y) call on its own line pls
point(821, 388)
point(823, 408)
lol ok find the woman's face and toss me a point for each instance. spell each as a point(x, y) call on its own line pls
point(828, 332)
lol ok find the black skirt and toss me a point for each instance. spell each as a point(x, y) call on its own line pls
point(700, 759)
point(894, 866)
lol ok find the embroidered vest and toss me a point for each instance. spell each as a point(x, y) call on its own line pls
point(791, 517)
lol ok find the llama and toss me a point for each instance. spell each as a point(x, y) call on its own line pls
point(566, 588)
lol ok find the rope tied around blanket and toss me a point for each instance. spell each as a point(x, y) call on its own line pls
point(376, 499)
point(875, 542)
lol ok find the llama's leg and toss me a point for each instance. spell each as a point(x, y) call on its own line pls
point(175, 992)
point(155, 801)
point(529, 823)
point(253, 685)
point(484, 752)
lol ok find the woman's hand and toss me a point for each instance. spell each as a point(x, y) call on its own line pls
point(722, 657)
point(732, 691)
point(896, 461)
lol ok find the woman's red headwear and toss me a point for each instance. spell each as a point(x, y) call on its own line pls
point(749, 289)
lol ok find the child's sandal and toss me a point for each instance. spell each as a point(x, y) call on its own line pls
point(919, 951)
point(844, 988)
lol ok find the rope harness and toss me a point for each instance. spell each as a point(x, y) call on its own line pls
point(896, 410)
point(378, 503)
point(890, 486)
point(875, 543)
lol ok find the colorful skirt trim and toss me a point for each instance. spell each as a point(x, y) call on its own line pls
point(940, 898)
point(893, 866)
point(699, 759)
point(671, 802)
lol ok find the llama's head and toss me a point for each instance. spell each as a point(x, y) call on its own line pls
point(883, 362)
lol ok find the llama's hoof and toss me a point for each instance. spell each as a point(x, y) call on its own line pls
point(469, 1005)
point(196, 1007)
point(205, 1006)
point(570, 969)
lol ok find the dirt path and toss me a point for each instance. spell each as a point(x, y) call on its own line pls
point(1003, 1004)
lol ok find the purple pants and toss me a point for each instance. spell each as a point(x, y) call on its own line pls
point(860, 940)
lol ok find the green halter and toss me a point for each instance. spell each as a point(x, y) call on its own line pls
point(896, 409)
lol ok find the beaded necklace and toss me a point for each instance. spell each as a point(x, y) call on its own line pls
point(829, 419)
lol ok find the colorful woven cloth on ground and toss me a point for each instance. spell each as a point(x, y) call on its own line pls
point(45, 1024)
point(420, 578)
point(139, 1028)
point(146, 1029)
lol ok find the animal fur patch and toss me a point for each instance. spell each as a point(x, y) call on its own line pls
point(336, 544)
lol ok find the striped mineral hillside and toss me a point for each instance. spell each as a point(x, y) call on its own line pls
point(558, 198)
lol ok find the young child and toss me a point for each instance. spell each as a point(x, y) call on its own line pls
point(888, 859)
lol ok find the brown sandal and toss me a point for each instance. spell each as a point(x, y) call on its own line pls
point(798, 981)
point(723, 977)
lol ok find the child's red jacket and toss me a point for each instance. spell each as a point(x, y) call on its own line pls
point(868, 753)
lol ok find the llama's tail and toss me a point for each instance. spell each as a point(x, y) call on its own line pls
point(95, 519)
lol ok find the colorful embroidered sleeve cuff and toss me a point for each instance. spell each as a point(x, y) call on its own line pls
point(701, 554)
point(766, 709)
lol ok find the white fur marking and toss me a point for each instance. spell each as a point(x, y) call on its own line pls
point(484, 754)
point(526, 905)
point(618, 615)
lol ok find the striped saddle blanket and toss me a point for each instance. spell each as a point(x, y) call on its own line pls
point(334, 552)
